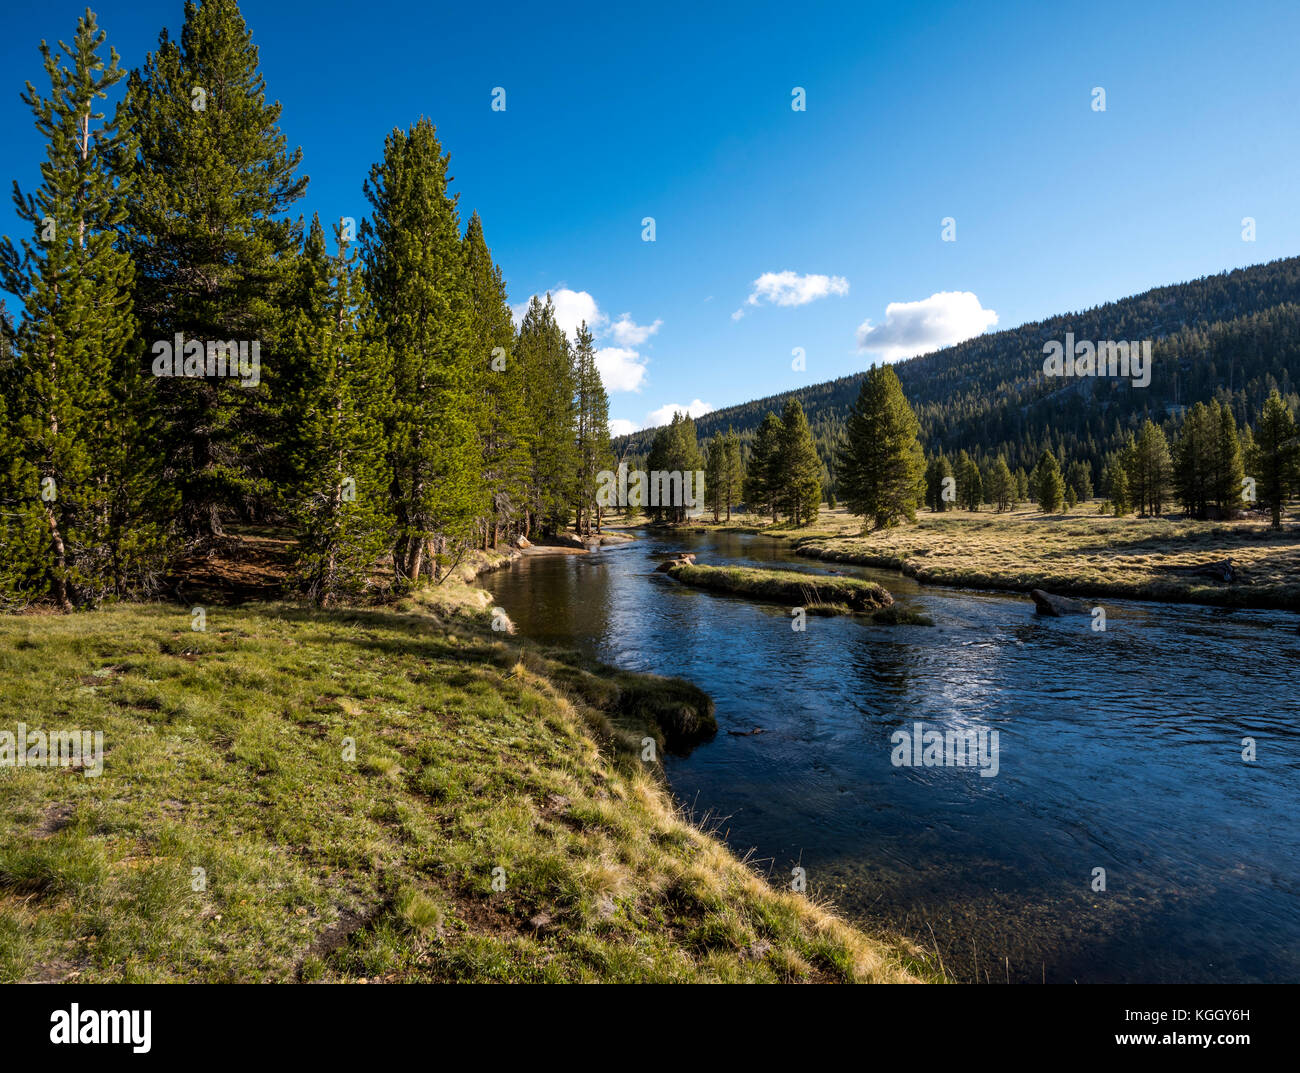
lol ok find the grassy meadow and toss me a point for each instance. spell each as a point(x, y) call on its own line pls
point(234, 836)
point(1081, 553)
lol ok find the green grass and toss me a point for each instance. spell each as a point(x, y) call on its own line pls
point(233, 835)
point(820, 594)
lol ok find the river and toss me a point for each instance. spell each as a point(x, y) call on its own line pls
point(1119, 750)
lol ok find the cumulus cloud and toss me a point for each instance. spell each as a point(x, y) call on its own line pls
point(664, 414)
point(912, 328)
point(791, 289)
point(571, 309)
point(621, 368)
point(627, 332)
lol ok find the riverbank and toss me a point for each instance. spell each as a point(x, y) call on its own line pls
point(397, 794)
point(1079, 555)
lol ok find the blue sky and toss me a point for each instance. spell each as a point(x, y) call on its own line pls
point(682, 112)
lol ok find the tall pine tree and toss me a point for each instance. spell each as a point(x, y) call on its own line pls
point(76, 481)
point(414, 272)
point(881, 466)
point(338, 454)
point(212, 180)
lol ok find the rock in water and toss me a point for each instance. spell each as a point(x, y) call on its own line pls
point(1058, 605)
point(684, 557)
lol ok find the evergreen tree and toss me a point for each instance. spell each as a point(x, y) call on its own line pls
point(715, 471)
point(675, 459)
point(503, 425)
point(1276, 463)
point(797, 467)
point(1002, 488)
point(1228, 471)
point(593, 451)
point(880, 464)
point(936, 473)
point(76, 484)
point(338, 456)
point(1078, 478)
point(1192, 461)
point(760, 485)
point(414, 272)
point(550, 401)
point(733, 473)
point(1050, 485)
point(970, 489)
point(1149, 468)
point(212, 180)
point(1119, 493)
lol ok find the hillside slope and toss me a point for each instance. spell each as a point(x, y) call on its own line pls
point(1235, 335)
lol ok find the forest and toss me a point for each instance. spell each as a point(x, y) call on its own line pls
point(387, 411)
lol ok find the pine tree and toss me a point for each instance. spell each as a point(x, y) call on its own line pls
point(593, 450)
point(675, 459)
point(1051, 487)
point(761, 490)
point(733, 472)
point(212, 249)
point(338, 457)
point(880, 464)
point(1078, 478)
point(414, 272)
point(550, 402)
point(1149, 468)
point(1228, 472)
point(797, 466)
point(715, 475)
point(936, 474)
point(1276, 463)
point(1002, 488)
point(1119, 493)
point(503, 426)
point(1192, 461)
point(970, 489)
point(75, 482)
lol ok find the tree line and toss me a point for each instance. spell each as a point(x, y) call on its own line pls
point(399, 419)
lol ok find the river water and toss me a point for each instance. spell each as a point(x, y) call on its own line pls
point(1119, 750)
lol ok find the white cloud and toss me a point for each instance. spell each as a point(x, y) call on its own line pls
point(737, 314)
point(619, 427)
point(571, 309)
point(621, 369)
point(664, 414)
point(627, 332)
point(791, 289)
point(913, 328)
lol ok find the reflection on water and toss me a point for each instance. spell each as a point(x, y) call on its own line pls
point(1119, 750)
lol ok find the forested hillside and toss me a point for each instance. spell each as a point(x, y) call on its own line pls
point(1233, 336)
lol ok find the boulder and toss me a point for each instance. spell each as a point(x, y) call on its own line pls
point(523, 542)
point(1058, 605)
point(668, 564)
